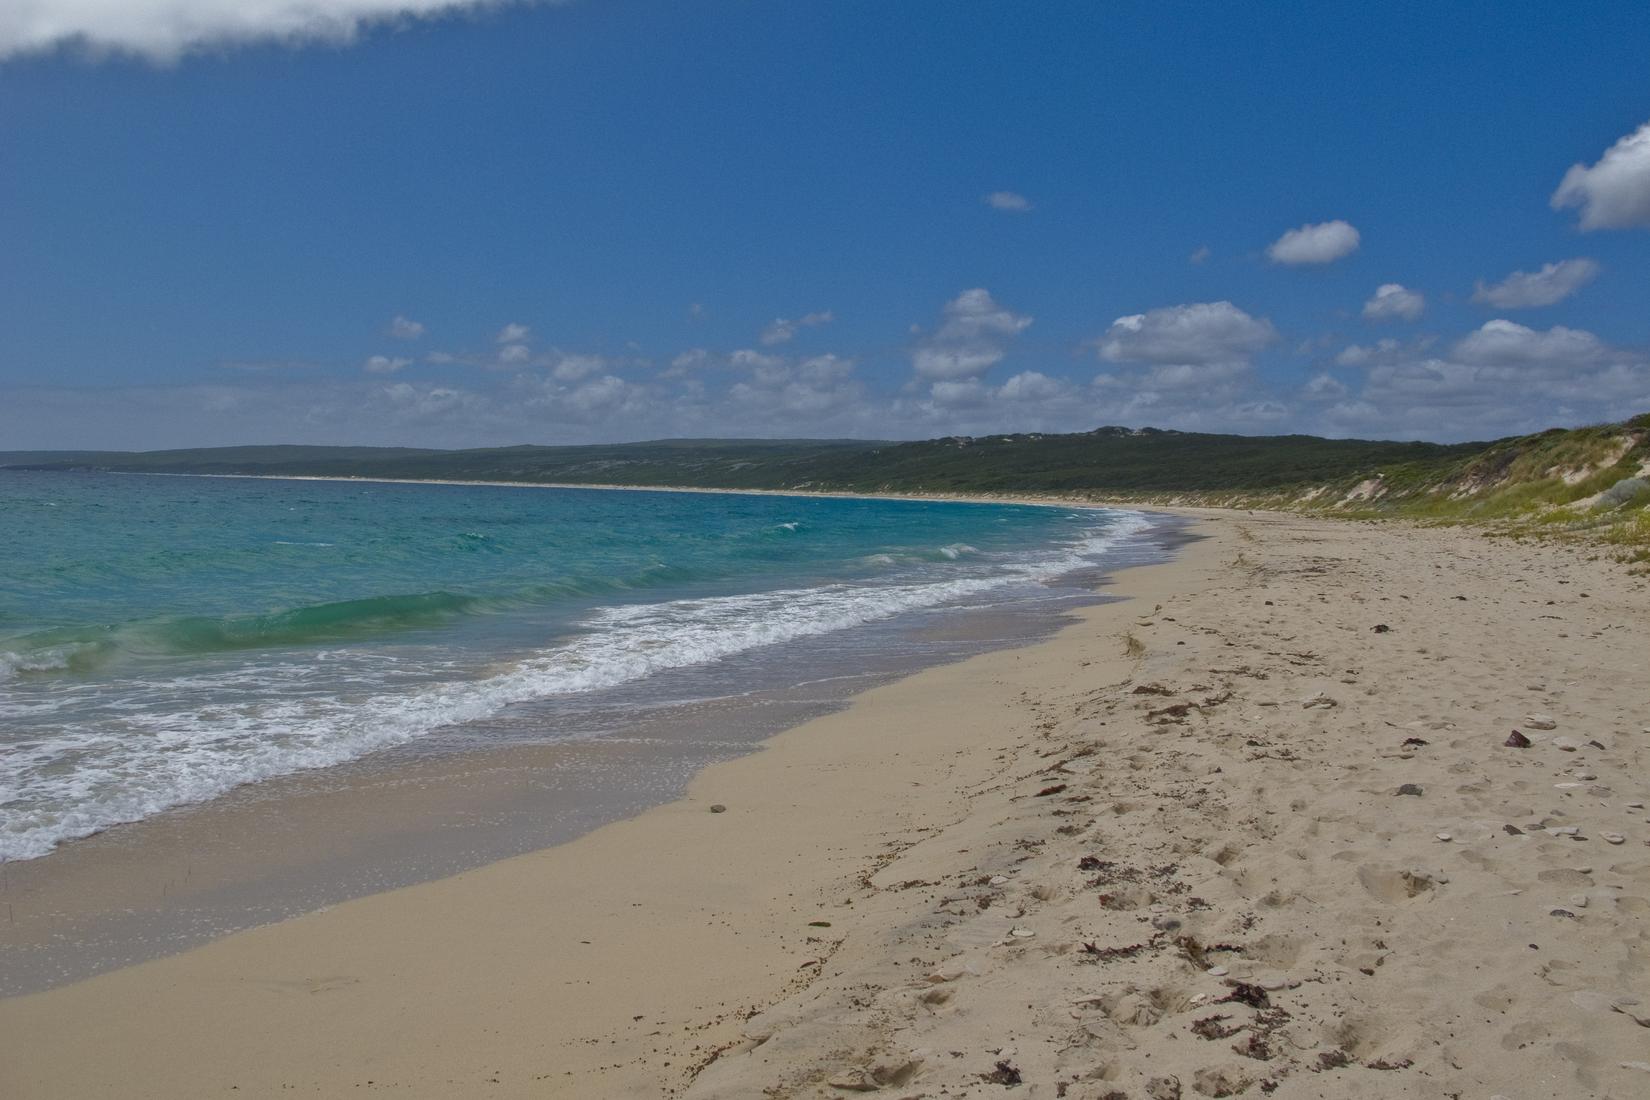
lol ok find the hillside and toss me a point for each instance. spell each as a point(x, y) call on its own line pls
point(1592, 482)
point(1105, 460)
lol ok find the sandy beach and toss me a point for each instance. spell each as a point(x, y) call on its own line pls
point(1256, 829)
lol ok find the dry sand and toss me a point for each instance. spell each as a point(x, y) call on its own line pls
point(1226, 837)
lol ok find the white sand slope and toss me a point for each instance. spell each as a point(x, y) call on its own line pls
point(1192, 880)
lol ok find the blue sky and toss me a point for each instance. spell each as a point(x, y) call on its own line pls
point(604, 220)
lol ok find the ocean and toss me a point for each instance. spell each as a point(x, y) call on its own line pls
point(164, 640)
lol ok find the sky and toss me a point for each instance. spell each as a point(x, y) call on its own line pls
point(454, 223)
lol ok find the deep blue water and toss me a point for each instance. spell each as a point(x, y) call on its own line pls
point(163, 639)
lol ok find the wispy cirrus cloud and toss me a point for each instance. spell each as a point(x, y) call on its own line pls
point(165, 30)
point(782, 330)
point(1011, 202)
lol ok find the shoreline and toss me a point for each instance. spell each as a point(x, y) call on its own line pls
point(274, 849)
point(97, 1003)
point(1053, 864)
point(1041, 500)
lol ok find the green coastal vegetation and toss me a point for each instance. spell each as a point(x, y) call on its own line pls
point(1589, 483)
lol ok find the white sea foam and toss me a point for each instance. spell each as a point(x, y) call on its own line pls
point(136, 763)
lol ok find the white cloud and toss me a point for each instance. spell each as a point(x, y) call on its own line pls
point(513, 333)
point(574, 368)
point(1200, 255)
point(746, 359)
point(1506, 343)
point(164, 30)
point(1199, 333)
point(1500, 379)
point(514, 354)
point(1615, 192)
point(1320, 243)
point(1357, 355)
point(1525, 289)
point(384, 364)
point(972, 337)
point(1011, 201)
point(405, 328)
point(781, 330)
point(1393, 301)
point(1033, 386)
point(821, 389)
point(1324, 387)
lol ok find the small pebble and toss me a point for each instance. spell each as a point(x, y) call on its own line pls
point(1566, 744)
point(1540, 721)
point(1217, 971)
point(1443, 836)
point(1578, 900)
point(1413, 789)
point(1021, 933)
point(1635, 805)
point(998, 880)
point(718, 809)
point(1613, 838)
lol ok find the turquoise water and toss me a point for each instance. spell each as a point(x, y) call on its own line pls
point(164, 639)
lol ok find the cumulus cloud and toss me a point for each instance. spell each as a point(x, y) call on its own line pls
point(1200, 255)
point(404, 328)
point(384, 364)
point(1199, 334)
point(1393, 301)
point(574, 368)
point(820, 389)
point(1528, 289)
point(782, 330)
point(972, 338)
point(1011, 201)
point(164, 30)
point(1615, 192)
point(1320, 243)
point(1324, 387)
point(1507, 343)
point(513, 333)
point(1500, 379)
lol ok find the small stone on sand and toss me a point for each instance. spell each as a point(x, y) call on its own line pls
point(1613, 838)
point(718, 809)
point(1540, 722)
